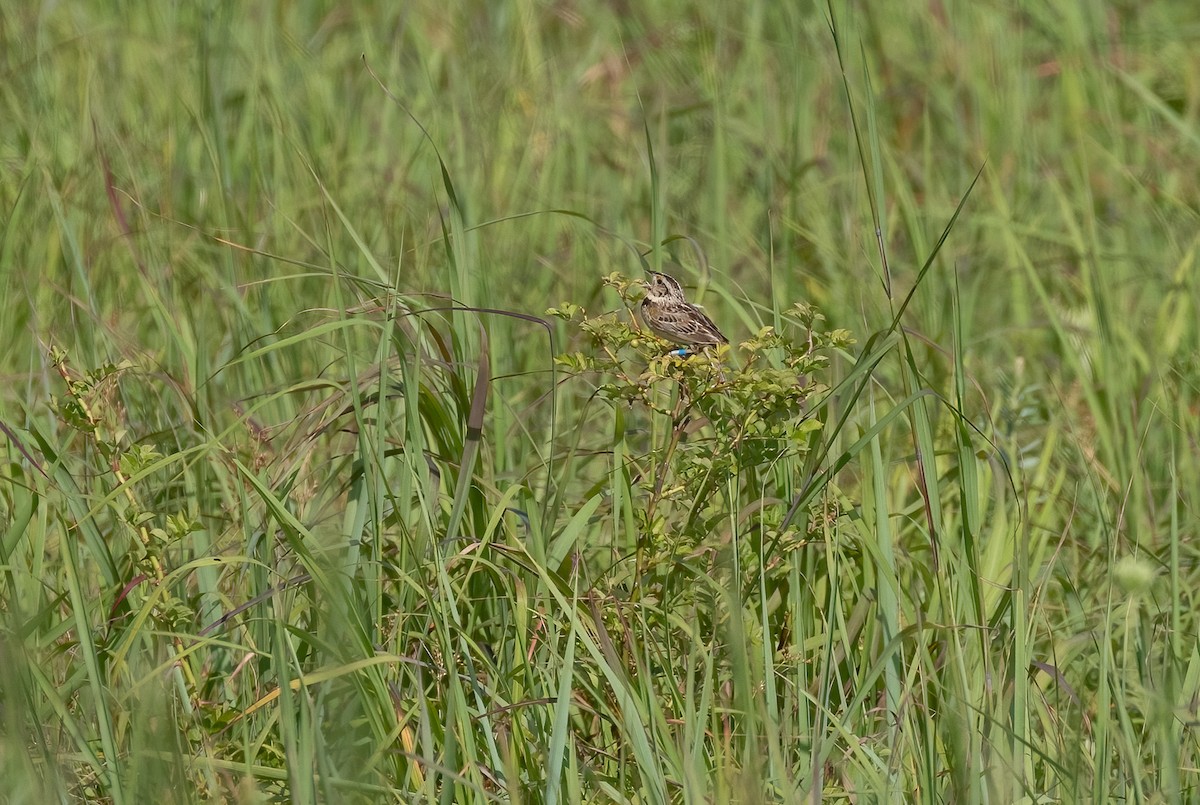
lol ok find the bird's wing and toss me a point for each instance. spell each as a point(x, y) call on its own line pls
point(692, 325)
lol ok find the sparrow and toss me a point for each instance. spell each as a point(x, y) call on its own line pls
point(669, 315)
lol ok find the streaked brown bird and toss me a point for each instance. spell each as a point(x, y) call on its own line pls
point(669, 315)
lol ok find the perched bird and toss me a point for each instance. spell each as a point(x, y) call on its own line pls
point(670, 316)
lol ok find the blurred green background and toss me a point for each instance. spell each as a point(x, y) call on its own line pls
point(230, 233)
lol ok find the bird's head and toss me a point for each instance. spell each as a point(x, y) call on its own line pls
point(663, 288)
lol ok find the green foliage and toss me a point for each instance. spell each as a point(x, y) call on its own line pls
point(299, 504)
point(728, 428)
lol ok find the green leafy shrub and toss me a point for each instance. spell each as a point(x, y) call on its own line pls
point(727, 438)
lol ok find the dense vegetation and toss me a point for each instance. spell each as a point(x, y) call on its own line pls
point(338, 469)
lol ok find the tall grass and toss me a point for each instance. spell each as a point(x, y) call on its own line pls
point(299, 504)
